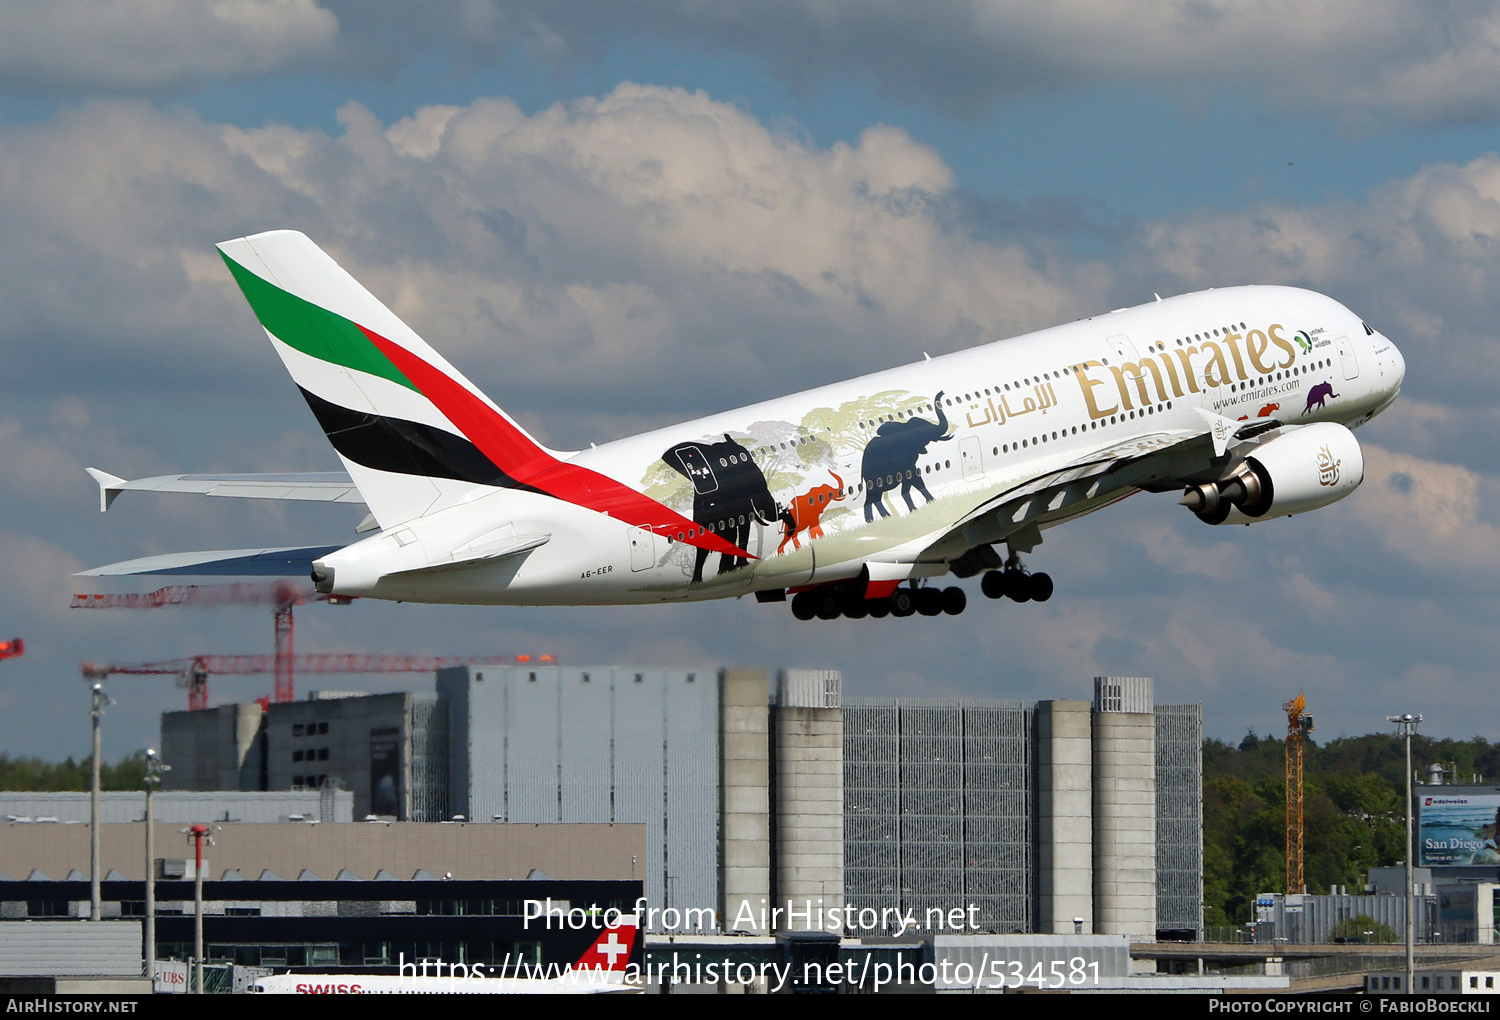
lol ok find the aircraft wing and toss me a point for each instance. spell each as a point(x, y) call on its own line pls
point(320, 486)
point(1106, 475)
point(291, 562)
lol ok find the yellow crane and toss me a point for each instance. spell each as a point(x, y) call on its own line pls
point(1298, 725)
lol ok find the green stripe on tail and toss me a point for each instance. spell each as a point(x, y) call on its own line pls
point(314, 331)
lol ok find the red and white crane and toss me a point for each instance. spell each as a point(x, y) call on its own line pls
point(193, 672)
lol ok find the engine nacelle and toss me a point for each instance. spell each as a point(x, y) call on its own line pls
point(1302, 470)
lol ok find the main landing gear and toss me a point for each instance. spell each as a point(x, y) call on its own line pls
point(828, 603)
point(1016, 583)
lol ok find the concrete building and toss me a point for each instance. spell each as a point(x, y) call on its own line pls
point(1124, 789)
point(1053, 817)
point(1045, 817)
point(71, 958)
point(808, 792)
point(181, 806)
point(359, 850)
point(373, 746)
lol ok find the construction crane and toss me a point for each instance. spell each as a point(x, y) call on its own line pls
point(283, 595)
point(1298, 725)
point(284, 663)
point(12, 648)
point(193, 673)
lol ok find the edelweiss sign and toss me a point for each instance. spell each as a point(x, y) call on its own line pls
point(1458, 828)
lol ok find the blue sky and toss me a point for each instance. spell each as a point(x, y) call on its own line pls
point(983, 167)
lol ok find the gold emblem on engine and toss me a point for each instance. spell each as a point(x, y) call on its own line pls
point(1328, 467)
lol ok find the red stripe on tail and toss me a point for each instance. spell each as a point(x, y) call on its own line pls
point(516, 455)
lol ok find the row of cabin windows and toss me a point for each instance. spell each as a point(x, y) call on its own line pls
point(1050, 375)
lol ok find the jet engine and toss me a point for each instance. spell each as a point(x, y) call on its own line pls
point(1301, 470)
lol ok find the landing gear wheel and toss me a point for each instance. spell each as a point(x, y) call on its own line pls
point(803, 606)
point(856, 608)
point(903, 602)
point(878, 609)
point(1040, 586)
point(1018, 586)
point(929, 601)
point(994, 584)
point(954, 600)
point(827, 605)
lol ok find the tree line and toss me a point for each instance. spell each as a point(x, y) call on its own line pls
point(54, 777)
point(1354, 818)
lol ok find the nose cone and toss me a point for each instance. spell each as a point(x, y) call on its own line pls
point(1398, 367)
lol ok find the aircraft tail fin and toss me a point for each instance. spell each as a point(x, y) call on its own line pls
point(611, 951)
point(401, 418)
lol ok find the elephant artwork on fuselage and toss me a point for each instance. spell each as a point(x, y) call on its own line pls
point(891, 458)
point(729, 494)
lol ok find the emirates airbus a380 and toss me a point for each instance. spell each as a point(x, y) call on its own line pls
point(852, 497)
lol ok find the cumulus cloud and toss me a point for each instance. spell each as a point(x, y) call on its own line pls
point(76, 46)
point(1361, 62)
point(654, 237)
point(1367, 64)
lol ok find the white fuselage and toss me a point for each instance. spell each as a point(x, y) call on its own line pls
point(1010, 411)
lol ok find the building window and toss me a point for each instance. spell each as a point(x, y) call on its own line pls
point(296, 756)
point(241, 911)
point(297, 729)
point(322, 754)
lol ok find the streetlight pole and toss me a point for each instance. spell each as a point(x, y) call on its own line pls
point(198, 832)
point(154, 768)
point(99, 700)
point(1408, 725)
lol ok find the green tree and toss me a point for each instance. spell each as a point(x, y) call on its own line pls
point(1353, 814)
point(37, 775)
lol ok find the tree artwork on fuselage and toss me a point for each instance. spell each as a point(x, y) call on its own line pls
point(740, 488)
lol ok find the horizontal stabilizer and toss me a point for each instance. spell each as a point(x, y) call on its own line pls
point(319, 486)
point(294, 562)
point(490, 547)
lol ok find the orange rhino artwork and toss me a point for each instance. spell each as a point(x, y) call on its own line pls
point(805, 512)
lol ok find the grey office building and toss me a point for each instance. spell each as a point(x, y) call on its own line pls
point(1046, 817)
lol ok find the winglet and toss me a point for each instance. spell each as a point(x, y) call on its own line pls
point(110, 486)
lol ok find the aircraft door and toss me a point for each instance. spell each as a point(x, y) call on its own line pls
point(971, 457)
point(1124, 349)
point(1346, 356)
point(642, 549)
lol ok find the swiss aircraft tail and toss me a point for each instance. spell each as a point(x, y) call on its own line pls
point(414, 434)
point(611, 950)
